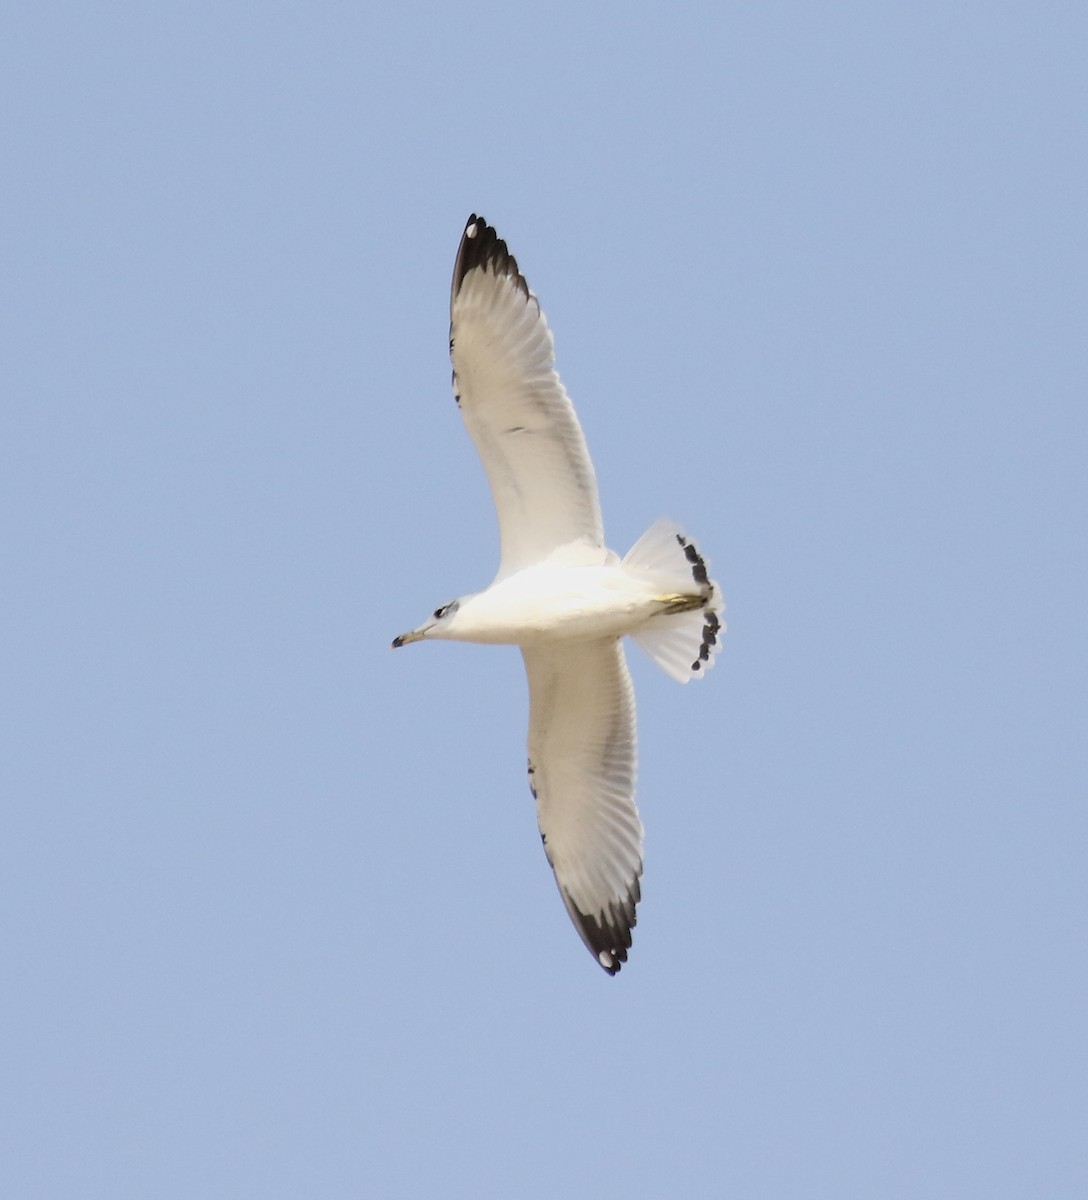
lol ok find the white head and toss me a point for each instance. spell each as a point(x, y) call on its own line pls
point(437, 627)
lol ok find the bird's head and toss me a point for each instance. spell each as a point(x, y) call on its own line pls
point(437, 627)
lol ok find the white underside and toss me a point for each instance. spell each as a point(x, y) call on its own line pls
point(553, 601)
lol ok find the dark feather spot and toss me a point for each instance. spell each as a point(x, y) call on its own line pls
point(711, 626)
point(698, 567)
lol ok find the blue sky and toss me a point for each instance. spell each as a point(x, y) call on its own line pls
point(275, 917)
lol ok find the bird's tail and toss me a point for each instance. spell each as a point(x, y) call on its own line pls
point(685, 635)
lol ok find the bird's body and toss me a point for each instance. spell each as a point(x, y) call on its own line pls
point(563, 596)
point(562, 599)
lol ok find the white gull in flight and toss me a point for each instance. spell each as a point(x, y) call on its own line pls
point(563, 596)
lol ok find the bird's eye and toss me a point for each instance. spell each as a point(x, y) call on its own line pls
point(446, 610)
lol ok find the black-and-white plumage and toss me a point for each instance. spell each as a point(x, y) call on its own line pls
point(563, 596)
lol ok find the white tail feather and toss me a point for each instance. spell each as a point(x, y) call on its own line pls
point(683, 644)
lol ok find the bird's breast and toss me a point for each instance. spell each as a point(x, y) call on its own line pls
point(547, 603)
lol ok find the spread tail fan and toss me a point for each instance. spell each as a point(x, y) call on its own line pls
point(684, 637)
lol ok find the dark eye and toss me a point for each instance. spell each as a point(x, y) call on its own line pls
point(445, 610)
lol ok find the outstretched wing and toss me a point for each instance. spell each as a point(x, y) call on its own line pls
point(515, 407)
point(582, 760)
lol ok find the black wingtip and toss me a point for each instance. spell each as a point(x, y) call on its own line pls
point(482, 247)
point(607, 935)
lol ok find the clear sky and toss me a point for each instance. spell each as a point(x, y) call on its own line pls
point(275, 918)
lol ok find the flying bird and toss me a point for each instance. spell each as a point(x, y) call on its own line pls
point(562, 596)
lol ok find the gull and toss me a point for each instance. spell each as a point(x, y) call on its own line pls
point(562, 596)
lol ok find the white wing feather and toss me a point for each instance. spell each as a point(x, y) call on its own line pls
point(582, 761)
point(515, 407)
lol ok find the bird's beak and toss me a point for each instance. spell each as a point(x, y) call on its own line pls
point(414, 635)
